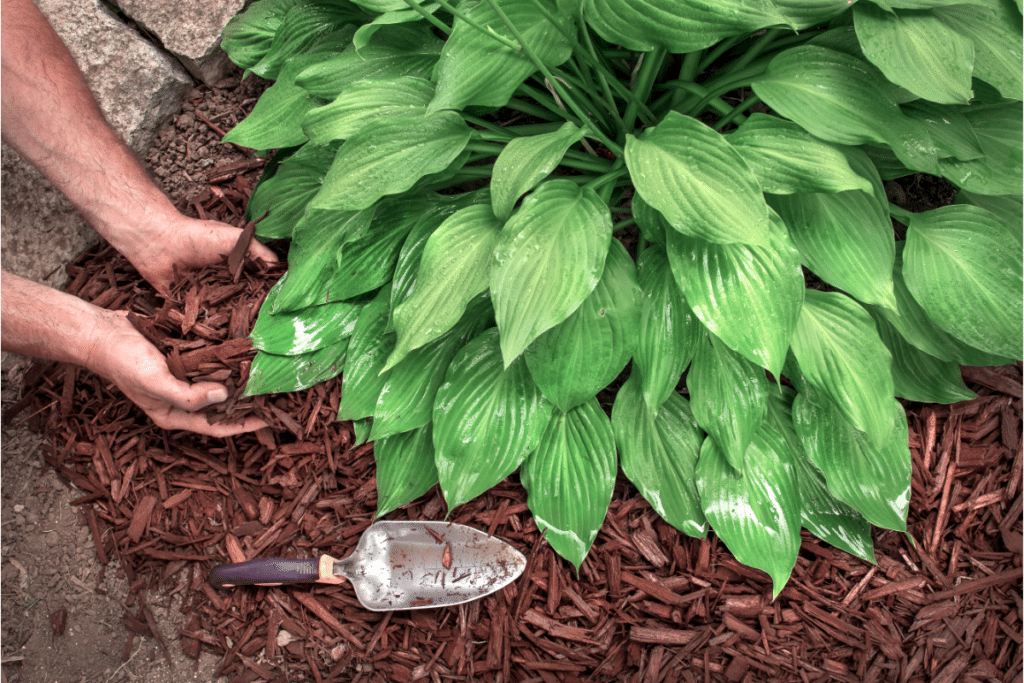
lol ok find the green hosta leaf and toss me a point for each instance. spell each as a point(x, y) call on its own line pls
point(840, 354)
point(923, 4)
point(313, 255)
point(650, 221)
point(669, 332)
point(948, 128)
point(405, 468)
point(369, 347)
point(361, 430)
point(1007, 208)
point(366, 101)
point(474, 454)
point(964, 267)
point(756, 513)
point(291, 334)
point(581, 355)
point(875, 480)
point(996, 34)
point(525, 162)
point(659, 452)
point(888, 165)
point(395, 52)
point(846, 238)
point(787, 159)
point(917, 51)
point(698, 181)
point(388, 156)
point(549, 257)
point(678, 27)
point(570, 477)
point(301, 27)
point(407, 399)
point(476, 69)
point(367, 262)
point(748, 296)
point(918, 376)
point(286, 194)
point(454, 268)
point(248, 36)
point(824, 515)
point(998, 128)
point(398, 16)
point(274, 121)
point(271, 374)
point(381, 6)
point(729, 397)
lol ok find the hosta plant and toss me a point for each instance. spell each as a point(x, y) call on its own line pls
point(498, 208)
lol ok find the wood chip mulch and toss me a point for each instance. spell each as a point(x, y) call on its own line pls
point(649, 604)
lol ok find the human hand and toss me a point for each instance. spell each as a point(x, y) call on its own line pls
point(122, 355)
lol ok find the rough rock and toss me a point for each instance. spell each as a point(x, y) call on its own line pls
point(190, 30)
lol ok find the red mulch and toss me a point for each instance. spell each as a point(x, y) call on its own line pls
point(649, 604)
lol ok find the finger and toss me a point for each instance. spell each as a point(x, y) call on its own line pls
point(259, 250)
point(175, 419)
point(192, 397)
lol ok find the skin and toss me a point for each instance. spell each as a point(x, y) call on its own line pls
point(51, 118)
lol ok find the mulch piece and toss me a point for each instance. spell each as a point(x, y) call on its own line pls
point(649, 604)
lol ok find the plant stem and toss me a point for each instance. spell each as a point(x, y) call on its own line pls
point(491, 131)
point(644, 82)
point(532, 110)
point(485, 147)
point(625, 224)
point(900, 214)
point(722, 85)
point(719, 50)
point(687, 72)
point(737, 112)
point(755, 50)
point(695, 89)
point(487, 31)
point(606, 178)
point(440, 25)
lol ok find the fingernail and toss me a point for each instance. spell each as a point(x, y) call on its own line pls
point(218, 395)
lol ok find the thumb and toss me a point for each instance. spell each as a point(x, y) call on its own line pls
point(193, 397)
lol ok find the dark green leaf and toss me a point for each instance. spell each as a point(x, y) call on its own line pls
point(405, 468)
point(948, 128)
point(999, 130)
point(996, 34)
point(1007, 208)
point(286, 194)
point(271, 374)
point(365, 33)
point(369, 347)
point(250, 34)
point(301, 27)
point(366, 101)
point(274, 121)
point(525, 162)
point(291, 334)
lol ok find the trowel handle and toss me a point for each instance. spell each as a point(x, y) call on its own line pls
point(270, 571)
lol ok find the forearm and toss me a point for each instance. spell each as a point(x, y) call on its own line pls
point(51, 118)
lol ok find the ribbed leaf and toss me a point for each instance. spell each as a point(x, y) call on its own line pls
point(453, 269)
point(365, 33)
point(406, 400)
point(948, 128)
point(570, 477)
point(388, 156)
point(581, 355)
point(476, 69)
point(248, 36)
point(996, 34)
point(369, 347)
point(964, 267)
point(286, 194)
point(698, 181)
point(729, 397)
point(525, 162)
point(291, 334)
point(548, 259)
point(875, 480)
point(846, 238)
point(659, 452)
point(756, 513)
point(405, 468)
point(669, 331)
point(366, 101)
point(1007, 208)
point(918, 376)
point(650, 221)
point(748, 296)
point(301, 27)
point(999, 130)
point(271, 374)
point(917, 51)
point(474, 454)
point(787, 159)
point(274, 120)
point(841, 355)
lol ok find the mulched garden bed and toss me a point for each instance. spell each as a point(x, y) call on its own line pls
point(649, 604)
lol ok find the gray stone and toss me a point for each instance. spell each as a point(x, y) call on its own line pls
point(189, 29)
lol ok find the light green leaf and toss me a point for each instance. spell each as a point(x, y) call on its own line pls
point(963, 265)
point(996, 34)
point(698, 181)
point(476, 69)
point(366, 101)
point(272, 374)
point(917, 51)
point(821, 513)
point(581, 355)
point(875, 480)
point(748, 296)
point(918, 376)
point(453, 269)
point(846, 238)
point(369, 347)
point(650, 221)
point(286, 194)
point(361, 430)
point(669, 331)
point(302, 26)
point(756, 513)
point(840, 354)
point(381, 6)
point(525, 162)
point(274, 121)
point(999, 130)
point(570, 477)
point(474, 454)
point(405, 468)
point(291, 334)
point(787, 159)
point(659, 451)
point(729, 397)
point(406, 400)
point(549, 257)
point(678, 27)
point(388, 156)
point(249, 35)
point(365, 33)
point(1007, 208)
point(948, 128)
